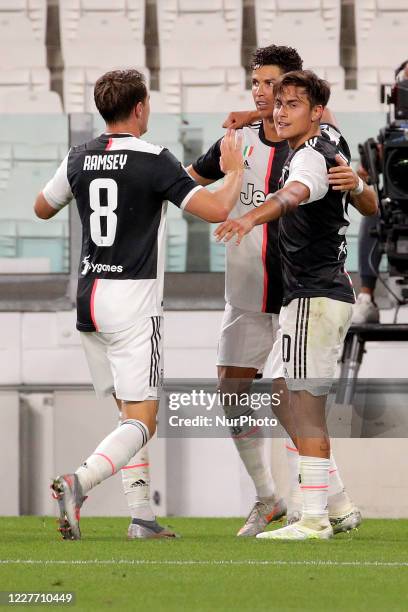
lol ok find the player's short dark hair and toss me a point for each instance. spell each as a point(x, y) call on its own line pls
point(117, 92)
point(286, 58)
point(317, 90)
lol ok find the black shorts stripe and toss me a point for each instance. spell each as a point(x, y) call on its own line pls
point(155, 352)
point(153, 364)
point(305, 341)
point(157, 339)
point(296, 342)
point(302, 303)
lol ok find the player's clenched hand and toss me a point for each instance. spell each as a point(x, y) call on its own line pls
point(234, 227)
point(342, 177)
point(238, 119)
point(231, 159)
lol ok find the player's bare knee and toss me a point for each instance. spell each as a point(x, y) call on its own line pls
point(233, 380)
point(145, 411)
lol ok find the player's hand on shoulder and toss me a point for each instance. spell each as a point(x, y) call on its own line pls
point(234, 227)
point(231, 159)
point(342, 177)
point(239, 119)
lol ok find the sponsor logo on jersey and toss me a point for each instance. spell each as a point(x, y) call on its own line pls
point(98, 268)
point(252, 196)
point(86, 264)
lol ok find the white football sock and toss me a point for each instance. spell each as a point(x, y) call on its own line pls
point(295, 494)
point(339, 501)
point(251, 449)
point(335, 482)
point(314, 483)
point(136, 485)
point(113, 453)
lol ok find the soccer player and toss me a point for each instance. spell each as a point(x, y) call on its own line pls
point(121, 184)
point(254, 289)
point(318, 294)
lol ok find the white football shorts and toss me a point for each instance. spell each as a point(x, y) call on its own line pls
point(127, 363)
point(312, 332)
point(247, 339)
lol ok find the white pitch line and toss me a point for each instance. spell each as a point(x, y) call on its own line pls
point(227, 562)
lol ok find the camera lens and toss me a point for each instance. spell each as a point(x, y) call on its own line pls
point(397, 171)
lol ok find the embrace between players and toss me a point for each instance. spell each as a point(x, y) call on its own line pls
point(287, 290)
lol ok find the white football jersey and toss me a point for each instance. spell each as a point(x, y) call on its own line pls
point(253, 279)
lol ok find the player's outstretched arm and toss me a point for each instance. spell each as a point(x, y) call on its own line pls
point(281, 203)
point(201, 180)
point(42, 209)
point(215, 206)
point(55, 195)
point(343, 178)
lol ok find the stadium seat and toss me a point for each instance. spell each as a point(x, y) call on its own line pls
point(18, 45)
point(27, 90)
point(227, 101)
point(5, 164)
point(212, 33)
point(381, 37)
point(194, 91)
point(23, 63)
point(47, 131)
point(79, 86)
point(204, 29)
point(26, 180)
point(34, 11)
point(30, 152)
point(313, 28)
point(97, 36)
point(354, 101)
point(8, 242)
point(133, 11)
point(24, 79)
point(29, 102)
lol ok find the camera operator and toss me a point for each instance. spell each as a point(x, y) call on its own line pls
point(369, 257)
point(369, 247)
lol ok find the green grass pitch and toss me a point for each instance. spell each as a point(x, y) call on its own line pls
point(208, 568)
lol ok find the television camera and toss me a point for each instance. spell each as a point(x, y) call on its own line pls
point(386, 161)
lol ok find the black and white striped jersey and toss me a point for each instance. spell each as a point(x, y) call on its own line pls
point(312, 240)
point(253, 277)
point(120, 184)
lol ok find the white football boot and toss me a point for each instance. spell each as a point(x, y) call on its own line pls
point(143, 530)
point(365, 310)
point(68, 493)
point(297, 532)
point(262, 513)
point(346, 522)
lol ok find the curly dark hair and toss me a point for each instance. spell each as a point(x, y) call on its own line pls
point(286, 58)
point(317, 90)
